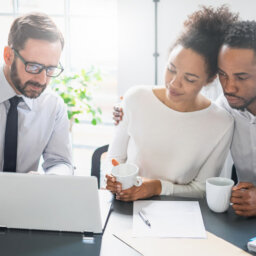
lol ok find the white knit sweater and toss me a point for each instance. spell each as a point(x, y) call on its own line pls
point(181, 149)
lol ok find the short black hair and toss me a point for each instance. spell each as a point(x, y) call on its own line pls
point(36, 26)
point(241, 35)
point(204, 31)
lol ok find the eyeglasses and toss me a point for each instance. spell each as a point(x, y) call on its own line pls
point(36, 68)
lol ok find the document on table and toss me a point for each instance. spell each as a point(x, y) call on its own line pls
point(149, 246)
point(180, 219)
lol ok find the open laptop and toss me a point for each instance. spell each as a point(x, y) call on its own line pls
point(53, 202)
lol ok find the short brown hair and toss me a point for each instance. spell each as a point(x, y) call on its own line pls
point(35, 26)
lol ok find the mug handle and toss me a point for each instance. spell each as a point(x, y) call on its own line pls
point(138, 181)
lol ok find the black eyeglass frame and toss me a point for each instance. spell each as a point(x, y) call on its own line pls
point(41, 67)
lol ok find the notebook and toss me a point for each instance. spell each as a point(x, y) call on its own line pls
point(53, 202)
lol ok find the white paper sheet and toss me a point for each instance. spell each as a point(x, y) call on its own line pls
point(178, 219)
point(149, 246)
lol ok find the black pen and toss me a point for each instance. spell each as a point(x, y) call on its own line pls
point(144, 218)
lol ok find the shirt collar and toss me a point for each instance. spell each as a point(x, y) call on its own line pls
point(29, 102)
point(7, 91)
point(248, 115)
point(243, 113)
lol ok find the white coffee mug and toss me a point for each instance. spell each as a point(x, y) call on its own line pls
point(127, 175)
point(218, 192)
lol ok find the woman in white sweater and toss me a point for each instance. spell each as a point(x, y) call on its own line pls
point(176, 136)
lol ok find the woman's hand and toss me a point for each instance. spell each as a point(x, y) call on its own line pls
point(147, 189)
point(112, 184)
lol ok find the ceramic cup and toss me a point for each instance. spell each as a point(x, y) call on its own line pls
point(218, 192)
point(127, 175)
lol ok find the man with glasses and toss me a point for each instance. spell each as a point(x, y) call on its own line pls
point(34, 121)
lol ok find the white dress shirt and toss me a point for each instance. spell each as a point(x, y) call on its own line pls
point(181, 149)
point(243, 146)
point(43, 129)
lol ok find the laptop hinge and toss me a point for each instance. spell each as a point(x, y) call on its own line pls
point(88, 237)
point(88, 234)
point(3, 228)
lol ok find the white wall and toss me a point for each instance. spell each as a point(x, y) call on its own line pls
point(136, 43)
point(136, 34)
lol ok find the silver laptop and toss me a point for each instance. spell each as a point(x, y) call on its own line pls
point(53, 202)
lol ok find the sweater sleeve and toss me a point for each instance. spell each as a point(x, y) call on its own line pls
point(119, 144)
point(211, 168)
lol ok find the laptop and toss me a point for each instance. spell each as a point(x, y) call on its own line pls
point(53, 202)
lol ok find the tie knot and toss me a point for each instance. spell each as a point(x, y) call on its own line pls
point(14, 101)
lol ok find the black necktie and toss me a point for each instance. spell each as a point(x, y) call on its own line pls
point(11, 132)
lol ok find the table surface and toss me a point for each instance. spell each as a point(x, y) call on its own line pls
point(235, 229)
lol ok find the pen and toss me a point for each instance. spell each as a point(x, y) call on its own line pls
point(144, 218)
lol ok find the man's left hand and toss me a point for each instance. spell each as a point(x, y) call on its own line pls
point(244, 199)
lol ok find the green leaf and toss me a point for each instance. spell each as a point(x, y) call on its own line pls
point(75, 90)
point(99, 110)
point(94, 121)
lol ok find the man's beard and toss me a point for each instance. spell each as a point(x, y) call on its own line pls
point(22, 87)
point(245, 105)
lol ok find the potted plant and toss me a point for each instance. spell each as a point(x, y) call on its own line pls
point(76, 91)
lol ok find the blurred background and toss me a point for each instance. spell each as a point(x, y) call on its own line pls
point(125, 41)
